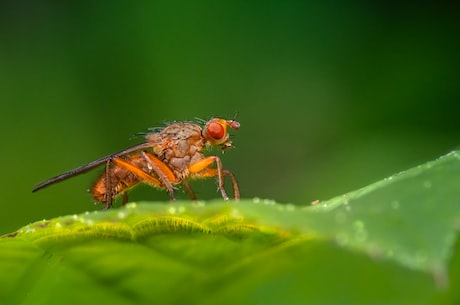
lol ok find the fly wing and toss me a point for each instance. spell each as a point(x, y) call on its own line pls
point(84, 168)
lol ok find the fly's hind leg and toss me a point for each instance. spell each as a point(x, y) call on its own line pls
point(124, 198)
point(108, 186)
point(139, 173)
point(165, 174)
point(189, 190)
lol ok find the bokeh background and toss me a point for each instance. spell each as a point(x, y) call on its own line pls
point(331, 96)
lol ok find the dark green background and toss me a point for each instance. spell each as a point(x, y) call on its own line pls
point(331, 96)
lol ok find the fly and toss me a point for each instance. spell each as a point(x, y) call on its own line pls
point(170, 157)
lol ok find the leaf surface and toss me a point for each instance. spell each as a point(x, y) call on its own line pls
point(393, 242)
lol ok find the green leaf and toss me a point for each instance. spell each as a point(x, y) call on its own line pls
point(393, 242)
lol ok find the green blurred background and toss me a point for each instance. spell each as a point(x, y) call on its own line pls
point(331, 96)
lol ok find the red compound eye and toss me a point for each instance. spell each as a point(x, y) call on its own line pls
point(216, 130)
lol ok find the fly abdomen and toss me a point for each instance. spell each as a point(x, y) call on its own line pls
point(121, 179)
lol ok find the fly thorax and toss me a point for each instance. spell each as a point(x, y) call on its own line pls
point(179, 163)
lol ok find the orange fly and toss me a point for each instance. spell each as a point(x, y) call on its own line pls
point(170, 156)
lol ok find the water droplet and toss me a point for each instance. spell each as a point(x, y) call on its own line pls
point(89, 222)
point(361, 235)
point(450, 238)
point(58, 225)
point(342, 239)
point(441, 276)
point(29, 229)
point(172, 210)
point(420, 257)
point(340, 217)
point(427, 184)
point(389, 253)
point(358, 225)
point(121, 215)
point(131, 205)
point(395, 204)
point(360, 232)
point(235, 213)
point(374, 251)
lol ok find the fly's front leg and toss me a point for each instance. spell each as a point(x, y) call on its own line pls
point(212, 172)
point(236, 190)
point(201, 165)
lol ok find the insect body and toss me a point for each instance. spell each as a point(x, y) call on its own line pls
point(169, 157)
